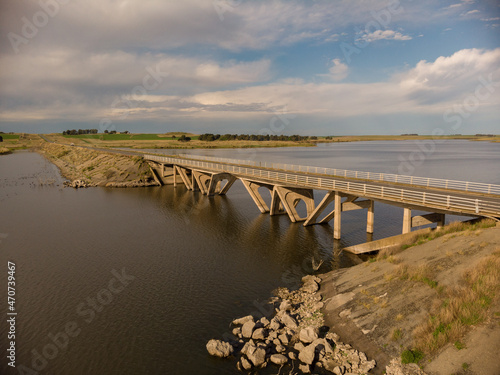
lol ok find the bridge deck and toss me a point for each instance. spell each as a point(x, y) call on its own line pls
point(424, 198)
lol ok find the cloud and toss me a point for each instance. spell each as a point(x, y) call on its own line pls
point(59, 81)
point(470, 13)
point(104, 25)
point(385, 34)
point(337, 72)
point(427, 88)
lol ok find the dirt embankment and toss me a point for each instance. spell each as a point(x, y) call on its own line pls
point(439, 300)
point(96, 168)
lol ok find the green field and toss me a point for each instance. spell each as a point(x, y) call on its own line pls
point(10, 136)
point(123, 137)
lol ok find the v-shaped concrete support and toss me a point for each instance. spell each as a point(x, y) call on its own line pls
point(187, 181)
point(253, 189)
point(289, 198)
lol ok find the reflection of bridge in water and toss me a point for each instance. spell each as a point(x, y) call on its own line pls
point(348, 190)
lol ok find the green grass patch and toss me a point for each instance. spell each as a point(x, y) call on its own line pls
point(459, 345)
point(411, 356)
point(9, 136)
point(461, 307)
point(451, 228)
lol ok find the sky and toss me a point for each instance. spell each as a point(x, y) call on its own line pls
point(337, 67)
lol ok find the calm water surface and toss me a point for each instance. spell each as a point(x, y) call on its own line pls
point(193, 263)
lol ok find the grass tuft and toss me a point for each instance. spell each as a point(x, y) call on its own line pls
point(411, 356)
point(460, 307)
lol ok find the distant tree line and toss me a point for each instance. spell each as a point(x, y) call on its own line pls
point(79, 131)
point(89, 131)
point(208, 137)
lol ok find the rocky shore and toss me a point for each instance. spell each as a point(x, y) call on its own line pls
point(363, 319)
point(293, 337)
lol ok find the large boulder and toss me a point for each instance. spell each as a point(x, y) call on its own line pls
point(259, 334)
point(307, 354)
point(288, 321)
point(241, 321)
point(219, 348)
point(308, 335)
point(247, 329)
point(279, 359)
point(257, 356)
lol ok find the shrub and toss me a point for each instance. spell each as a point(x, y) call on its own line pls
point(411, 356)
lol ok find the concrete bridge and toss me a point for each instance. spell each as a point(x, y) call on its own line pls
point(348, 190)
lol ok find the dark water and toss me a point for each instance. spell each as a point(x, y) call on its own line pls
point(186, 264)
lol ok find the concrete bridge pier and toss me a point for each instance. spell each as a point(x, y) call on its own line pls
point(350, 204)
point(289, 198)
point(184, 177)
point(253, 189)
point(417, 221)
point(215, 184)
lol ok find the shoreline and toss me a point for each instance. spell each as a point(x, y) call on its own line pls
point(379, 308)
point(89, 168)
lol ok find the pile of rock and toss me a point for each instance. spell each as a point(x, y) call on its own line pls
point(293, 336)
point(77, 184)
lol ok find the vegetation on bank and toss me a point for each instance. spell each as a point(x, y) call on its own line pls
point(456, 308)
point(421, 238)
point(460, 307)
point(4, 151)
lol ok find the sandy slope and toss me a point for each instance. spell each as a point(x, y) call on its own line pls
point(98, 168)
point(366, 303)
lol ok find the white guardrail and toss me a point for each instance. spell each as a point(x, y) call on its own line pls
point(456, 204)
point(476, 187)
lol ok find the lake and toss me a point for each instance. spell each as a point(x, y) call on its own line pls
point(136, 281)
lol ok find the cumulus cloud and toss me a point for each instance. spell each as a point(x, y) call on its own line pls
point(428, 87)
point(337, 72)
point(385, 34)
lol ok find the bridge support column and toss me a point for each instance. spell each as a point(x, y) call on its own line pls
point(370, 217)
point(184, 177)
point(289, 198)
point(350, 204)
point(204, 180)
point(417, 221)
point(175, 176)
point(215, 183)
point(338, 216)
point(328, 198)
point(440, 221)
point(253, 190)
point(406, 220)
